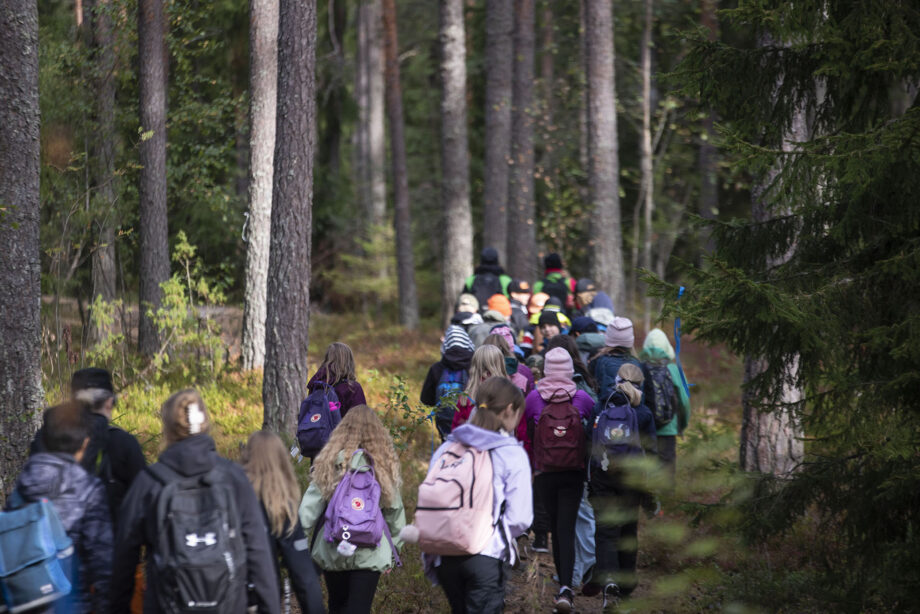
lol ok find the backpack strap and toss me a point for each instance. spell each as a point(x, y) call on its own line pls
point(162, 473)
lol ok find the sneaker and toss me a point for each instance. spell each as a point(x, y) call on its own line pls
point(591, 589)
point(540, 543)
point(564, 602)
point(611, 597)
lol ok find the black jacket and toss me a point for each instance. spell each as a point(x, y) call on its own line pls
point(454, 359)
point(80, 502)
point(294, 550)
point(195, 455)
point(112, 454)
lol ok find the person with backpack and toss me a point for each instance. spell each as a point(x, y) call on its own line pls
point(469, 544)
point(218, 555)
point(487, 279)
point(619, 339)
point(490, 319)
point(665, 396)
point(622, 435)
point(113, 455)
point(511, 363)
point(553, 425)
point(587, 338)
point(488, 361)
point(504, 331)
point(447, 378)
point(337, 371)
point(556, 282)
point(354, 511)
point(80, 503)
point(268, 466)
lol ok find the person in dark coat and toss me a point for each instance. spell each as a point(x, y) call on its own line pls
point(619, 339)
point(113, 455)
point(190, 452)
point(456, 355)
point(80, 501)
point(338, 372)
point(488, 278)
point(269, 468)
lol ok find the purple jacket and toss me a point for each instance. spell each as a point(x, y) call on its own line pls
point(528, 375)
point(349, 392)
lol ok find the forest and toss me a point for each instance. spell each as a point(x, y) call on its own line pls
point(207, 194)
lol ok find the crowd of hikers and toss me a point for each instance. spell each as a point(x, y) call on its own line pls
point(552, 426)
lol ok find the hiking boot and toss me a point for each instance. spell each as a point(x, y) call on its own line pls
point(590, 589)
point(564, 602)
point(540, 543)
point(611, 598)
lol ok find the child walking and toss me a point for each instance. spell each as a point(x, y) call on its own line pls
point(268, 466)
point(338, 372)
point(488, 361)
point(358, 442)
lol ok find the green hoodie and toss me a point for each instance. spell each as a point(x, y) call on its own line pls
point(325, 554)
point(657, 349)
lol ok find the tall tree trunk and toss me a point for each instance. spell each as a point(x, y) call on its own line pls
point(372, 140)
point(708, 155)
point(455, 157)
point(583, 92)
point(499, 53)
point(21, 395)
point(288, 313)
point(103, 162)
point(522, 226)
point(405, 263)
point(646, 155)
point(606, 243)
point(263, 96)
point(154, 237)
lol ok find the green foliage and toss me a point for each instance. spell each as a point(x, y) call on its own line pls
point(403, 420)
point(830, 278)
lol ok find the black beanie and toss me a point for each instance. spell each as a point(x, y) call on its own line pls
point(548, 317)
point(91, 377)
point(552, 261)
point(488, 256)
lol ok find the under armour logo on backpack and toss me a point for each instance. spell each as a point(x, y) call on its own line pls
point(192, 540)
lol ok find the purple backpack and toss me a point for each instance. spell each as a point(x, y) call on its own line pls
point(353, 514)
point(615, 435)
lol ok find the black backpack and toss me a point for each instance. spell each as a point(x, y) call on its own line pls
point(558, 289)
point(664, 395)
point(200, 556)
point(484, 287)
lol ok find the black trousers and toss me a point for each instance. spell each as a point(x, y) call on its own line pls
point(473, 584)
point(351, 592)
point(561, 492)
point(616, 531)
point(667, 452)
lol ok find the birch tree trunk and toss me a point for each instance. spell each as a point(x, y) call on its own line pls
point(455, 159)
point(606, 242)
point(499, 54)
point(21, 396)
point(154, 236)
point(263, 96)
point(522, 227)
point(288, 310)
point(405, 263)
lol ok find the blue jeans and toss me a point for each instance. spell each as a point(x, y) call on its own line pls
point(584, 540)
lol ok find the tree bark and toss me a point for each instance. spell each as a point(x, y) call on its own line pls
point(648, 178)
point(405, 262)
point(103, 162)
point(263, 95)
point(455, 157)
point(522, 239)
point(288, 311)
point(21, 396)
point(606, 242)
point(372, 140)
point(499, 54)
point(154, 238)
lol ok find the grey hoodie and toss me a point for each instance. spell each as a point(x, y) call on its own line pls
point(511, 486)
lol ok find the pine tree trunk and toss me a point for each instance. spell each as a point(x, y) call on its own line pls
point(499, 53)
point(21, 396)
point(455, 158)
point(405, 263)
point(372, 140)
point(646, 155)
point(263, 95)
point(708, 155)
point(103, 160)
point(606, 242)
point(288, 311)
point(154, 238)
point(522, 226)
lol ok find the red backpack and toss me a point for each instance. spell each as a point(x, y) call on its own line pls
point(559, 438)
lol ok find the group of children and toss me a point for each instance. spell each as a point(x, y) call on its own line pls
point(518, 403)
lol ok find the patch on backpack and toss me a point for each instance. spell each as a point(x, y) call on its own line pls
point(357, 504)
point(315, 418)
point(560, 431)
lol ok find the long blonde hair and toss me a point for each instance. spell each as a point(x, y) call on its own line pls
point(268, 466)
point(360, 428)
point(339, 362)
point(184, 414)
point(488, 361)
point(495, 395)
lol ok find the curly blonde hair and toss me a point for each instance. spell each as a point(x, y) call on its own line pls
point(360, 428)
point(268, 466)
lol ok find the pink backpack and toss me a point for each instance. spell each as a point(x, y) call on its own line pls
point(454, 513)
